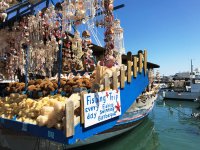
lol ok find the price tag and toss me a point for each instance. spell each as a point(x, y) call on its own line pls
point(51, 134)
point(24, 127)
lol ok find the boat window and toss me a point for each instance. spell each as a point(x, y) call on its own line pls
point(187, 83)
point(193, 81)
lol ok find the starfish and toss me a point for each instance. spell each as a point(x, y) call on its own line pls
point(117, 107)
point(107, 94)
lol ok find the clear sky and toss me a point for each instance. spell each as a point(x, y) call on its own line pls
point(168, 29)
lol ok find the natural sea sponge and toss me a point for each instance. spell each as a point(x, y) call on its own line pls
point(31, 82)
point(71, 82)
point(67, 88)
point(38, 88)
point(42, 120)
point(55, 85)
point(47, 110)
point(38, 81)
point(58, 106)
point(51, 88)
point(21, 86)
point(62, 82)
point(51, 123)
point(8, 89)
point(76, 78)
point(32, 88)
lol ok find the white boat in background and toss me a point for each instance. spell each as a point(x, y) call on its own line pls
point(191, 91)
point(193, 96)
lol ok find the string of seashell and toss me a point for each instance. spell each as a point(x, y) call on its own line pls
point(110, 58)
point(43, 33)
point(43, 46)
point(88, 58)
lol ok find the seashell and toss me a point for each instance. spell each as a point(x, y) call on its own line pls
point(111, 57)
point(110, 7)
point(86, 34)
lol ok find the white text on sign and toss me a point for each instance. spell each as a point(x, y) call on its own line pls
point(101, 106)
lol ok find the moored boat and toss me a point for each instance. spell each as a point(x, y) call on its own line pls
point(91, 97)
point(134, 116)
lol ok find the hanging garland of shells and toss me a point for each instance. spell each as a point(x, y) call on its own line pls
point(43, 44)
point(43, 34)
point(11, 51)
point(79, 55)
point(110, 58)
point(88, 58)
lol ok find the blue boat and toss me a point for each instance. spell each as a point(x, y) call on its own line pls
point(128, 84)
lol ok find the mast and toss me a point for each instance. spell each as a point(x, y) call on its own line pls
point(191, 67)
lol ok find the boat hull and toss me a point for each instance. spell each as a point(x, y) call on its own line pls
point(18, 141)
point(191, 96)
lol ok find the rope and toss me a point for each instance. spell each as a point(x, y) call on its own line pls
point(37, 144)
point(178, 110)
point(94, 34)
point(189, 116)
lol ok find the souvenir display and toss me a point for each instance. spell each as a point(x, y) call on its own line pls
point(59, 85)
point(47, 111)
point(34, 49)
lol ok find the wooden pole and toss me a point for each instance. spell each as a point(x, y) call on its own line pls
point(69, 118)
point(129, 56)
point(106, 82)
point(115, 81)
point(97, 78)
point(135, 66)
point(129, 71)
point(140, 62)
point(122, 77)
point(82, 107)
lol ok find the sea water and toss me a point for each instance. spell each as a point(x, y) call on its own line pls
point(168, 127)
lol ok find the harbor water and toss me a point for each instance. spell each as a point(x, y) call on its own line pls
point(168, 127)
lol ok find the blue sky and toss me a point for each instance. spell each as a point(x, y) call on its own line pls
point(168, 29)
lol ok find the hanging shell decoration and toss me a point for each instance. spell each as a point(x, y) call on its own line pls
point(88, 59)
point(110, 58)
point(43, 34)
